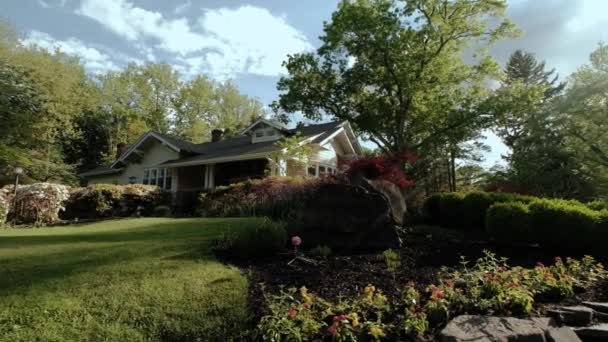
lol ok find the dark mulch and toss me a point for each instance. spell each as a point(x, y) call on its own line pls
point(423, 253)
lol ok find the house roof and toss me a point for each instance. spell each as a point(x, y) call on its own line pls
point(241, 146)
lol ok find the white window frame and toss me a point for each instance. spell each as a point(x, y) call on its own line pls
point(329, 169)
point(158, 177)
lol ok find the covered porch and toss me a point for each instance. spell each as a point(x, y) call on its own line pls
point(194, 179)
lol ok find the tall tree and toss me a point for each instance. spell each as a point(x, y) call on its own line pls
point(394, 69)
point(526, 87)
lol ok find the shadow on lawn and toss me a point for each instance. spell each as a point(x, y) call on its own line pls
point(87, 251)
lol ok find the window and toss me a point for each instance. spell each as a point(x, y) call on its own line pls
point(312, 171)
point(259, 134)
point(146, 177)
point(132, 180)
point(160, 177)
point(321, 170)
point(316, 170)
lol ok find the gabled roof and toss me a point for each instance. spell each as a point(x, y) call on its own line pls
point(272, 123)
point(194, 154)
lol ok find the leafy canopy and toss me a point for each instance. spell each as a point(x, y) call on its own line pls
point(395, 69)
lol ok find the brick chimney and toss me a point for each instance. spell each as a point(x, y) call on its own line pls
point(217, 135)
point(121, 148)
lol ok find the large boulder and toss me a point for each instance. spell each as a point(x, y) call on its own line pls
point(572, 315)
point(346, 217)
point(490, 328)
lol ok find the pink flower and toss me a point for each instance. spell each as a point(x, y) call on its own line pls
point(292, 313)
point(296, 240)
point(332, 331)
point(411, 283)
point(557, 260)
point(540, 265)
point(339, 318)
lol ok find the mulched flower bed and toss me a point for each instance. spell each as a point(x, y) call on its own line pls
point(424, 252)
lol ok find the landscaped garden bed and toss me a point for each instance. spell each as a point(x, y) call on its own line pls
point(344, 280)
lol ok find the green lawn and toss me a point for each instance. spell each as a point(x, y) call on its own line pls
point(120, 280)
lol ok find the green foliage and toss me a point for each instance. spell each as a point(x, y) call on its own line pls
point(290, 148)
point(466, 211)
point(275, 197)
point(148, 279)
point(106, 200)
point(258, 240)
point(597, 205)
point(162, 211)
point(395, 70)
point(559, 222)
point(510, 222)
point(487, 287)
point(321, 251)
point(450, 210)
point(392, 259)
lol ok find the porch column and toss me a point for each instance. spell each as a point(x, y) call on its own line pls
point(282, 168)
point(209, 176)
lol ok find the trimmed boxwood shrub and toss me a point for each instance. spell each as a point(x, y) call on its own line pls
point(431, 208)
point(559, 222)
point(264, 238)
point(510, 222)
point(450, 210)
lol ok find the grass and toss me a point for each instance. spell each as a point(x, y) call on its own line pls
point(120, 280)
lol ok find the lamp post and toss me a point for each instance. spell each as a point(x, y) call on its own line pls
point(17, 170)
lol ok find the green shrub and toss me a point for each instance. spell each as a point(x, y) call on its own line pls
point(563, 223)
point(597, 205)
point(162, 211)
point(431, 208)
point(321, 251)
point(509, 222)
point(450, 210)
point(474, 207)
point(274, 197)
point(263, 239)
point(106, 200)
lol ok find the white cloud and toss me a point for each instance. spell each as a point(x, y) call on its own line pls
point(180, 9)
point(254, 40)
point(93, 59)
point(135, 23)
point(49, 4)
point(223, 43)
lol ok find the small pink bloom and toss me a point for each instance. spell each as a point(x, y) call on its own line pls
point(557, 260)
point(292, 313)
point(296, 240)
point(540, 265)
point(332, 331)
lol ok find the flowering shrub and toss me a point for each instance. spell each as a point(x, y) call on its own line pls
point(382, 167)
point(274, 197)
point(106, 200)
point(296, 315)
point(4, 207)
point(38, 203)
point(490, 286)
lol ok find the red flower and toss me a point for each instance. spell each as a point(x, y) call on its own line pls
point(332, 331)
point(513, 284)
point(448, 283)
point(339, 318)
point(306, 305)
point(292, 313)
point(502, 269)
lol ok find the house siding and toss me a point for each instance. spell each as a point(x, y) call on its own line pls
point(155, 154)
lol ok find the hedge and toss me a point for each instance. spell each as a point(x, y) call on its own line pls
point(466, 211)
point(515, 218)
point(552, 223)
point(274, 197)
point(106, 200)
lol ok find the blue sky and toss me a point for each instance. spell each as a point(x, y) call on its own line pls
point(247, 40)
